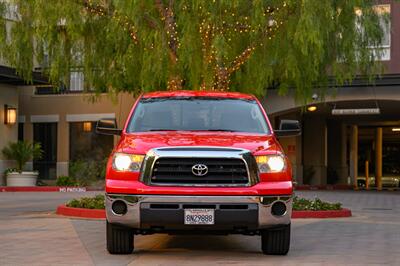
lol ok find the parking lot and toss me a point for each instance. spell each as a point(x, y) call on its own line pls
point(31, 234)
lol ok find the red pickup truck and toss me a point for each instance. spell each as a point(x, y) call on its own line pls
point(200, 163)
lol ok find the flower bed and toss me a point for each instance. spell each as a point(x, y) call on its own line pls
point(302, 204)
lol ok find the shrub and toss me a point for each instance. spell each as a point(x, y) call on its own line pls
point(66, 181)
point(301, 204)
point(22, 152)
point(308, 174)
point(96, 202)
point(87, 172)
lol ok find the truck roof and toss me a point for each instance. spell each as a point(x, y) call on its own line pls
point(187, 93)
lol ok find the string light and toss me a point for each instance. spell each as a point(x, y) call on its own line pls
point(239, 26)
point(122, 20)
point(174, 84)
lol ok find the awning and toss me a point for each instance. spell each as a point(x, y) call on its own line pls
point(8, 75)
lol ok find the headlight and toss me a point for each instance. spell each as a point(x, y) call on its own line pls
point(127, 162)
point(270, 163)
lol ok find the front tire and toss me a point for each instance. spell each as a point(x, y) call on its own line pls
point(276, 241)
point(119, 239)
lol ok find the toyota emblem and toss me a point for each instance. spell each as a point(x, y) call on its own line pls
point(199, 169)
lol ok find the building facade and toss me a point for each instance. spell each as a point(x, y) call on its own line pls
point(351, 131)
point(342, 130)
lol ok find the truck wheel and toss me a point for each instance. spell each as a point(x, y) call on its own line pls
point(276, 241)
point(119, 239)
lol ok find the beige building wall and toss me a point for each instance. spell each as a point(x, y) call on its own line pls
point(8, 133)
point(67, 108)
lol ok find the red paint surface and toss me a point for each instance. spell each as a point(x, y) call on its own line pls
point(141, 143)
point(42, 189)
point(79, 212)
point(101, 214)
point(183, 93)
point(322, 214)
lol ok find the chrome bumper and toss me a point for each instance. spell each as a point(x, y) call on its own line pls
point(132, 217)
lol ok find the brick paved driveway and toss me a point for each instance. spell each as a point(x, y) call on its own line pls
point(30, 234)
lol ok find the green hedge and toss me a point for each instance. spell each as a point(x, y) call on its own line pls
point(66, 181)
point(96, 202)
point(301, 204)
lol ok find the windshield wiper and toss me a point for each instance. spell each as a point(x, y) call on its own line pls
point(162, 129)
point(213, 129)
point(167, 129)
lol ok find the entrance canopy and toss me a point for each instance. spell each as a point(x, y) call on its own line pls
point(9, 76)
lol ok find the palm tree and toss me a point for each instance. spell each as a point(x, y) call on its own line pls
point(22, 152)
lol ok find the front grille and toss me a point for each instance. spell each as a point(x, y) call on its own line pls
point(178, 171)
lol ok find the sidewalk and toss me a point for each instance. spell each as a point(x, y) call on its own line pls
point(32, 235)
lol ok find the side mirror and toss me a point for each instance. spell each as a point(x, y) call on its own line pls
point(288, 128)
point(107, 127)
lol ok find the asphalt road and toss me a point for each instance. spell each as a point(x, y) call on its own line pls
point(19, 203)
point(30, 234)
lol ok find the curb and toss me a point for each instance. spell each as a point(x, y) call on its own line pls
point(101, 214)
point(80, 212)
point(45, 189)
point(322, 214)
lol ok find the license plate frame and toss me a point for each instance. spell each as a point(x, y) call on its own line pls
point(199, 216)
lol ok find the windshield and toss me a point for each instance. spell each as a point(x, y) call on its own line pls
point(197, 114)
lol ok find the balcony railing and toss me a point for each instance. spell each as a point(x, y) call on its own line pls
point(51, 90)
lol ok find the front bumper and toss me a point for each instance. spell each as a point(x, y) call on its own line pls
point(165, 213)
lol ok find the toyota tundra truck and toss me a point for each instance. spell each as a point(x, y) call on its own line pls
point(197, 162)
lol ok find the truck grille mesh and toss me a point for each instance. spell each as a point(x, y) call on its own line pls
point(178, 171)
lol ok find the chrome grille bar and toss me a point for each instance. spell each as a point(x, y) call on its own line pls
point(171, 166)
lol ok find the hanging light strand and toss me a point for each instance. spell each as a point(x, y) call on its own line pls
point(268, 32)
point(168, 17)
point(122, 20)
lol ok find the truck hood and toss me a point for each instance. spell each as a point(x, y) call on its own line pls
point(141, 143)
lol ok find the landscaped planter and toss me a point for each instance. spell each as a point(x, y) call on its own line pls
point(81, 212)
point(93, 207)
point(23, 179)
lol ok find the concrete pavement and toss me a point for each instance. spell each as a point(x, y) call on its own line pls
point(30, 234)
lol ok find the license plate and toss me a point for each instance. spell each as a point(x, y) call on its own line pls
point(199, 216)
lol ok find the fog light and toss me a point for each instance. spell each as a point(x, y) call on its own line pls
point(119, 207)
point(268, 200)
point(278, 208)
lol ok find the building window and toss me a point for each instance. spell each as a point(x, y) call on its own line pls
point(384, 48)
point(76, 81)
point(86, 144)
point(46, 135)
point(11, 11)
point(88, 152)
point(381, 51)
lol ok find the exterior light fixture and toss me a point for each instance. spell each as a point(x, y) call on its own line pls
point(312, 108)
point(396, 129)
point(10, 115)
point(87, 126)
